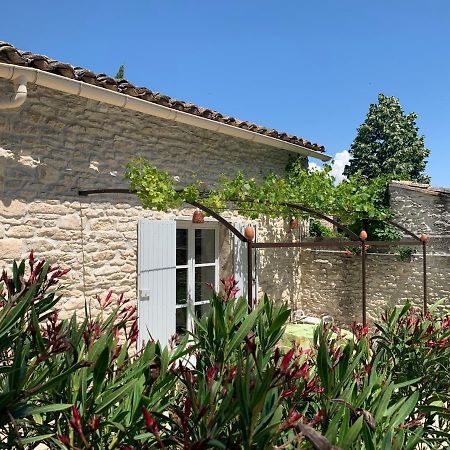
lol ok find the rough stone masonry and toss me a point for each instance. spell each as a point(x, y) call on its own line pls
point(57, 144)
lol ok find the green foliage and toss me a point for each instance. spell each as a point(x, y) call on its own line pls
point(269, 196)
point(387, 146)
point(406, 253)
point(317, 229)
point(155, 189)
point(31, 364)
point(377, 231)
point(69, 382)
point(82, 385)
point(388, 143)
point(120, 75)
point(415, 348)
point(358, 405)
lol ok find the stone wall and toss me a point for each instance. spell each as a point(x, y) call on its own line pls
point(57, 144)
point(331, 281)
point(423, 209)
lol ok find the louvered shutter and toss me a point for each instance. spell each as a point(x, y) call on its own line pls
point(240, 262)
point(156, 279)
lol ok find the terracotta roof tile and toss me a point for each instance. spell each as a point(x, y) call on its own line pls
point(11, 55)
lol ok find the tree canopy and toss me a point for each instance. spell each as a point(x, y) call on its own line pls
point(120, 75)
point(388, 143)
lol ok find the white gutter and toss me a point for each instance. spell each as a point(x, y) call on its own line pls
point(75, 87)
point(17, 99)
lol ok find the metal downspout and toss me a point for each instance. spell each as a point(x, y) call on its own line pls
point(15, 100)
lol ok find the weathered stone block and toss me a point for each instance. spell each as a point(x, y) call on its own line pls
point(11, 249)
point(69, 222)
point(14, 208)
point(20, 231)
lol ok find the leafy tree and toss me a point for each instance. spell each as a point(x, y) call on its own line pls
point(120, 73)
point(388, 143)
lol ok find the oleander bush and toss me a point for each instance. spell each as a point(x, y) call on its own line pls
point(83, 383)
point(76, 383)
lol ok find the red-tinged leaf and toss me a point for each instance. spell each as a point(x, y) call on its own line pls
point(286, 360)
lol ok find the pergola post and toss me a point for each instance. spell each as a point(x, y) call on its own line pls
point(249, 275)
point(363, 237)
point(424, 238)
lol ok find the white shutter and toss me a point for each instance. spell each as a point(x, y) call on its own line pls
point(240, 262)
point(156, 279)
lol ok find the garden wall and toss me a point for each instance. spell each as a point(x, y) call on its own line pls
point(57, 144)
point(331, 281)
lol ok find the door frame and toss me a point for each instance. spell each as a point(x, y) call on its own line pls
point(191, 265)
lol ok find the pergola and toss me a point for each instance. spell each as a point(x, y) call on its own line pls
point(360, 240)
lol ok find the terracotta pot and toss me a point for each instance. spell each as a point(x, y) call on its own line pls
point(363, 235)
point(249, 233)
point(293, 224)
point(198, 216)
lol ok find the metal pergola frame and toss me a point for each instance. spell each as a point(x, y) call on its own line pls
point(354, 238)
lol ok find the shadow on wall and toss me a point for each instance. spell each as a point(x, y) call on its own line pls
point(95, 236)
point(279, 269)
point(77, 144)
point(331, 283)
point(34, 176)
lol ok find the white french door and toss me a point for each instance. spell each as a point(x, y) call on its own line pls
point(197, 267)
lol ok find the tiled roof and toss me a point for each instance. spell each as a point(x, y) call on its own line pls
point(11, 55)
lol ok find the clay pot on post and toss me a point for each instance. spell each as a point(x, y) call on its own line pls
point(198, 216)
point(293, 224)
point(249, 233)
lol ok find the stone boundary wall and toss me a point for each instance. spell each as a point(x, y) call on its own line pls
point(331, 283)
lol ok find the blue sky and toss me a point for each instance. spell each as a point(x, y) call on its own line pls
point(306, 67)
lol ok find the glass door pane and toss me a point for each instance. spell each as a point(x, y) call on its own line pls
point(196, 268)
point(181, 321)
point(181, 286)
point(203, 277)
point(182, 247)
point(205, 246)
point(200, 310)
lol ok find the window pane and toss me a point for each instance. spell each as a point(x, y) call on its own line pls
point(182, 247)
point(204, 246)
point(204, 275)
point(200, 310)
point(181, 321)
point(181, 287)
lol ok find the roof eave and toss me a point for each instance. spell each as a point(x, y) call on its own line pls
point(81, 89)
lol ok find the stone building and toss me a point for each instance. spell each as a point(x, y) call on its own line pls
point(65, 129)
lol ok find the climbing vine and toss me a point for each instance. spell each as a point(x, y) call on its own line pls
point(356, 198)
